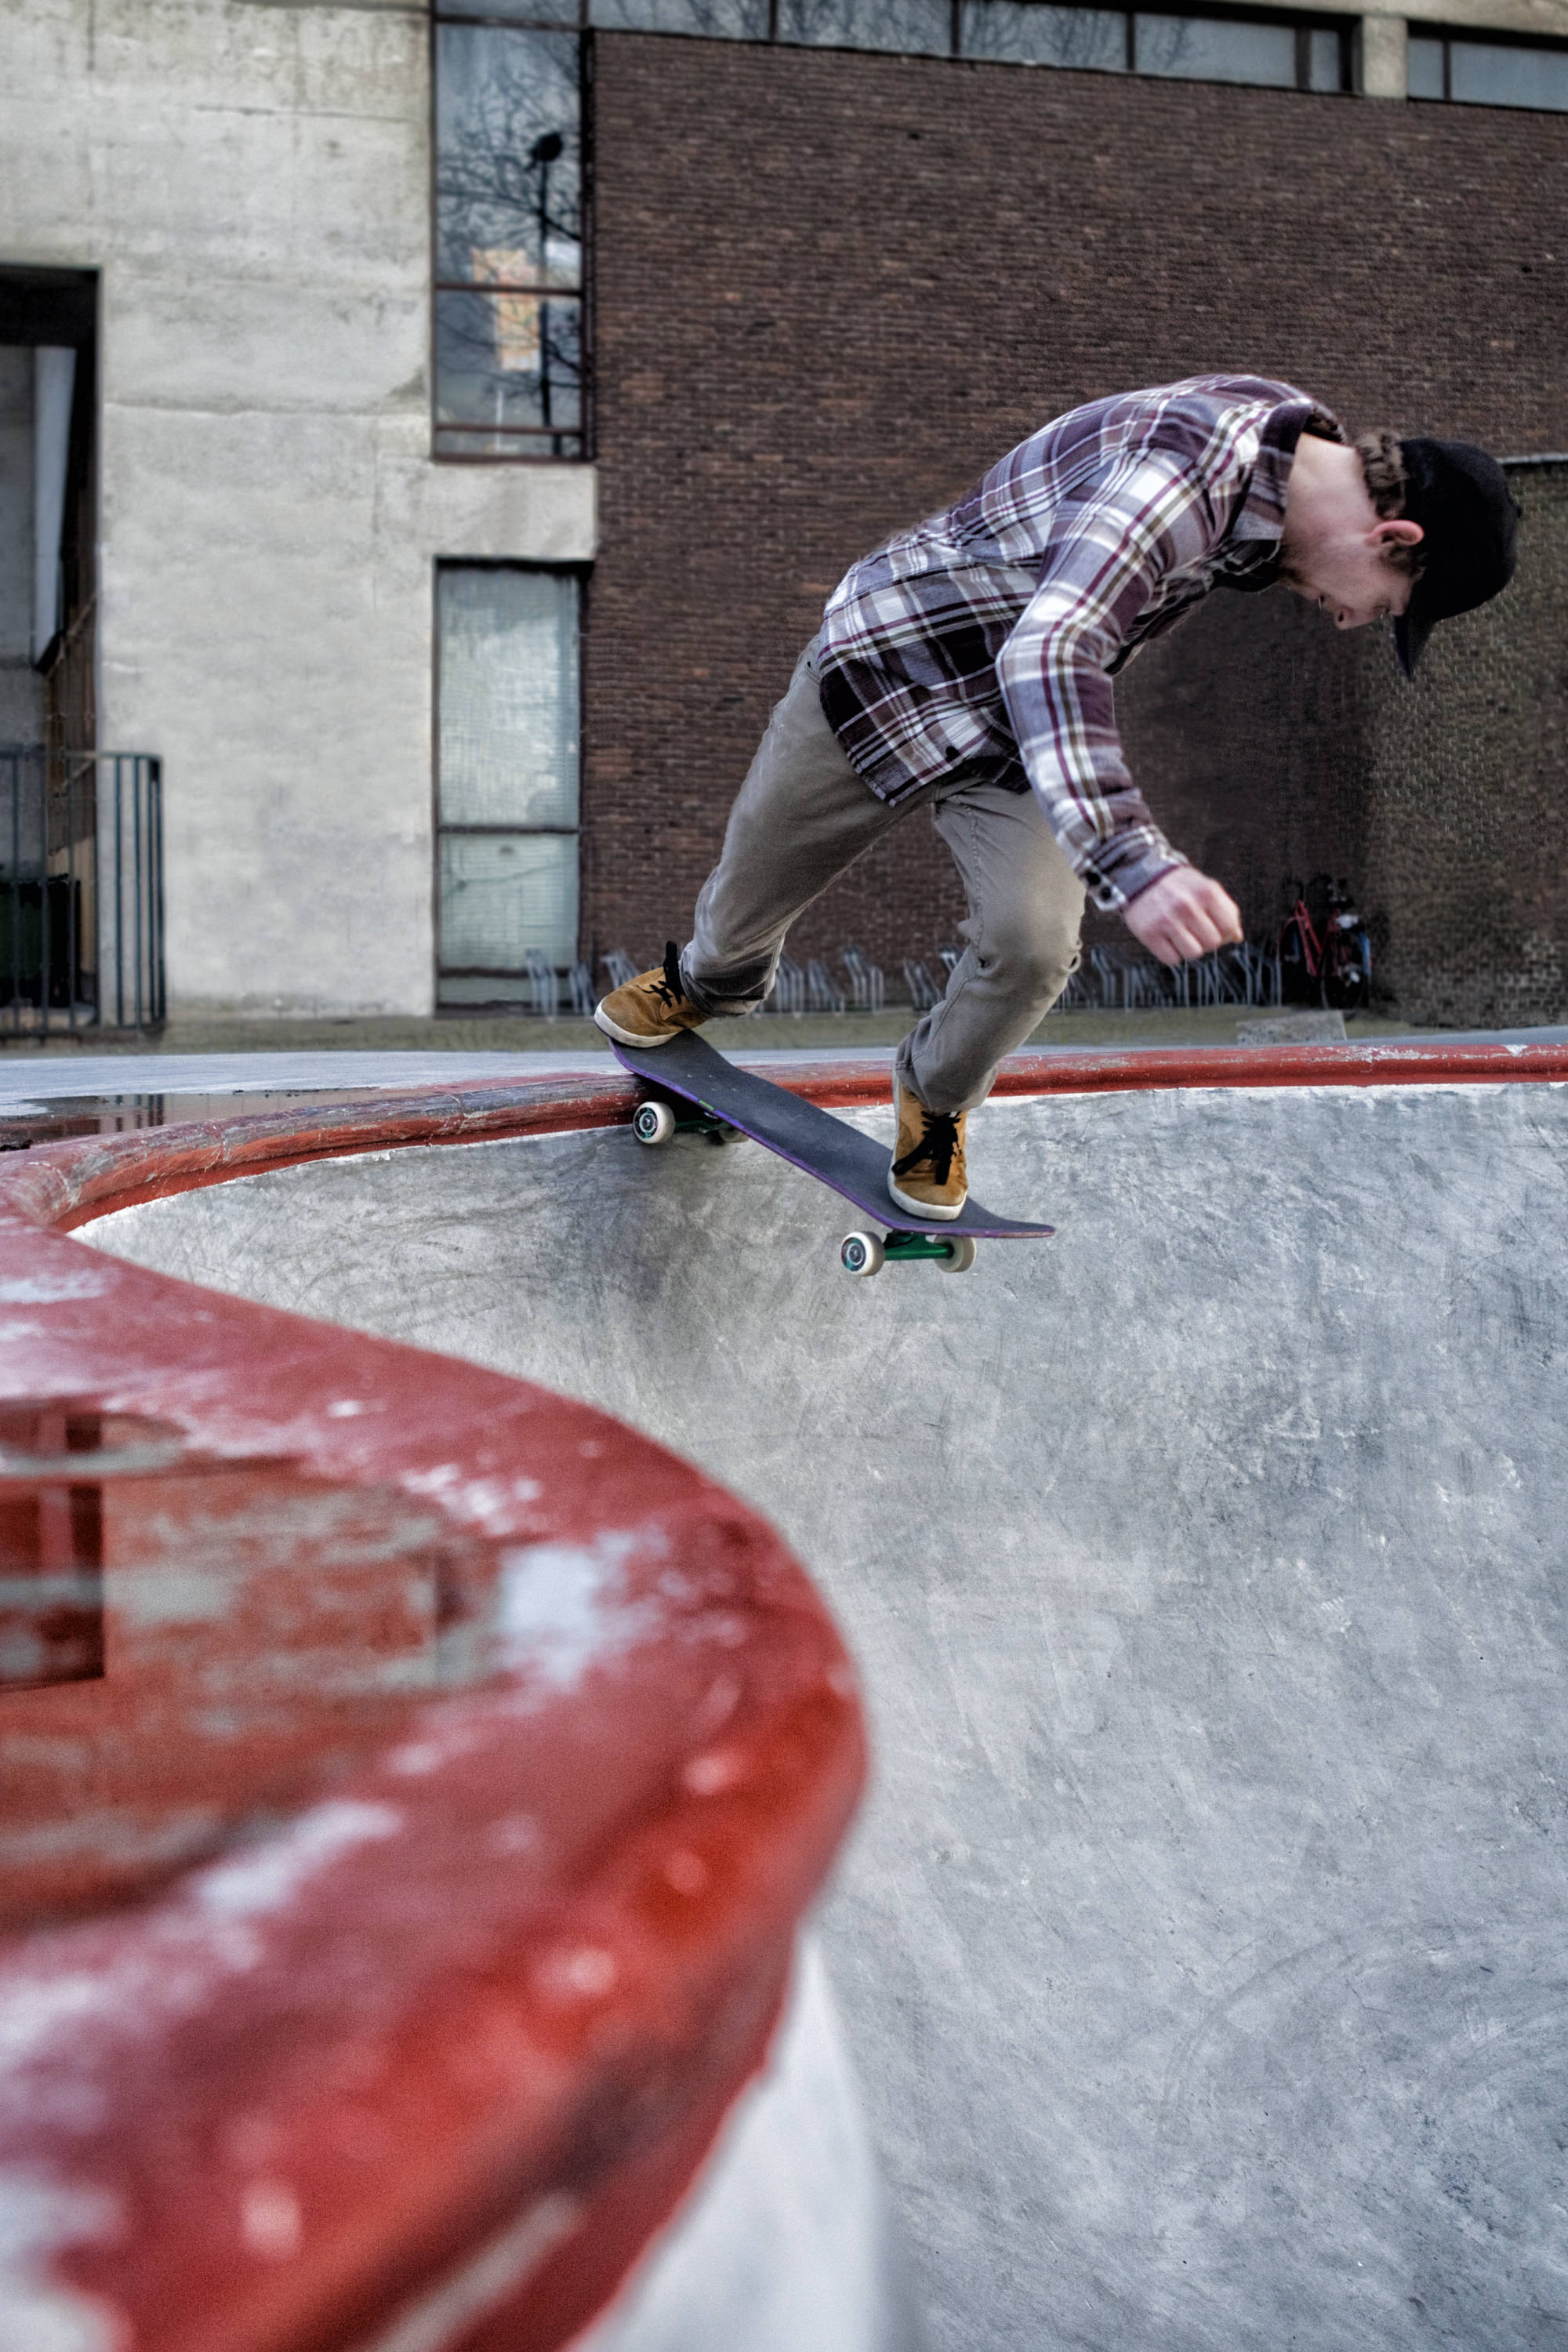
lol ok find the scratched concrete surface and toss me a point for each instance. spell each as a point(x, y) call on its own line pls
point(1203, 1944)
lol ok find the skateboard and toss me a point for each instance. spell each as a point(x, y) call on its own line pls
point(695, 1091)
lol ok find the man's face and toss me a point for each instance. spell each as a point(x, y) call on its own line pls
point(1355, 576)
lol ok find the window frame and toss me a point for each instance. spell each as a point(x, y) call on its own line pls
point(577, 26)
point(582, 572)
point(1482, 37)
point(1302, 22)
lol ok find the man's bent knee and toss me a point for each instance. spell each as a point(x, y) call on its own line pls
point(1030, 961)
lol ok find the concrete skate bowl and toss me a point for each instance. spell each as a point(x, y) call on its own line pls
point(1203, 1941)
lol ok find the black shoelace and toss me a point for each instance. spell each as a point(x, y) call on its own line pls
point(938, 1143)
point(671, 989)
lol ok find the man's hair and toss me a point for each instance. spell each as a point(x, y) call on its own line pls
point(1383, 467)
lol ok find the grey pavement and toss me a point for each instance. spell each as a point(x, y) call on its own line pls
point(26, 1081)
point(202, 1079)
point(441, 1042)
point(1201, 1943)
point(56, 1078)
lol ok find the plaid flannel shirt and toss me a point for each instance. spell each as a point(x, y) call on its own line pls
point(986, 639)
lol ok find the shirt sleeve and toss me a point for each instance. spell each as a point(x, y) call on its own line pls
point(1109, 551)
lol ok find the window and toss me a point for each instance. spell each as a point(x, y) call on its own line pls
point(715, 20)
point(1094, 39)
point(49, 602)
point(510, 309)
point(911, 27)
point(1277, 55)
point(1488, 73)
point(1274, 49)
point(507, 779)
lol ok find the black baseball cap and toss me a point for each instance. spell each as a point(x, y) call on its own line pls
point(1460, 498)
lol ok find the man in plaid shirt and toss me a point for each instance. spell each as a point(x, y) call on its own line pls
point(966, 665)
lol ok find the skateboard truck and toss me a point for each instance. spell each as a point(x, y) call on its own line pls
point(655, 1121)
point(861, 1253)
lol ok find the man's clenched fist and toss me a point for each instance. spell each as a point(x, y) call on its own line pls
point(1182, 915)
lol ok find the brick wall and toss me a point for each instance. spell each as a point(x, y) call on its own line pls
point(1246, 727)
point(831, 289)
point(1466, 823)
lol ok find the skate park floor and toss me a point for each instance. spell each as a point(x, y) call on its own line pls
point(1201, 1944)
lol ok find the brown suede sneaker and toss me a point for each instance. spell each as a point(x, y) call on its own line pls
point(928, 1175)
point(651, 1009)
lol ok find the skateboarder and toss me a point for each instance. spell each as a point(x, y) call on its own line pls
point(965, 667)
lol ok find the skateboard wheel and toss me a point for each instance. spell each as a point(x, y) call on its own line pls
point(861, 1253)
point(653, 1122)
point(959, 1255)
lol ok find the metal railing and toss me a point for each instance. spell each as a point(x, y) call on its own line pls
point(1107, 979)
point(82, 890)
point(1127, 980)
point(866, 987)
point(789, 987)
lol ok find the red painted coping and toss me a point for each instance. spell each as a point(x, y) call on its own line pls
point(66, 1184)
point(264, 2106)
point(274, 2099)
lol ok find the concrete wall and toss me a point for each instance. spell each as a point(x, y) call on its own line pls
point(252, 181)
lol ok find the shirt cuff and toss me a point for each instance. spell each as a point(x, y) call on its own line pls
point(1126, 865)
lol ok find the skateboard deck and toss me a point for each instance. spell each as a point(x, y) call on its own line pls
point(687, 1073)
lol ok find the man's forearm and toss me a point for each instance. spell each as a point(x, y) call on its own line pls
point(1061, 703)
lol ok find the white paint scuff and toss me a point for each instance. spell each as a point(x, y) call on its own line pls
point(562, 1608)
point(52, 1289)
point(39, 2217)
point(247, 1885)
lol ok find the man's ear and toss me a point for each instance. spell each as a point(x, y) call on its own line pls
point(1399, 531)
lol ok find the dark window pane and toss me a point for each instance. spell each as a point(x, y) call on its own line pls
point(1025, 34)
point(1325, 58)
point(509, 359)
point(1209, 49)
point(1483, 73)
point(1425, 71)
point(719, 20)
point(508, 157)
point(915, 28)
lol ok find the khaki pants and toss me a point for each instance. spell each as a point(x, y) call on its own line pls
point(804, 814)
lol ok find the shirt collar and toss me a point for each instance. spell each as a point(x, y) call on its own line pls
point(1254, 536)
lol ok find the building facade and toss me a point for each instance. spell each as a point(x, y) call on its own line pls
point(432, 432)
